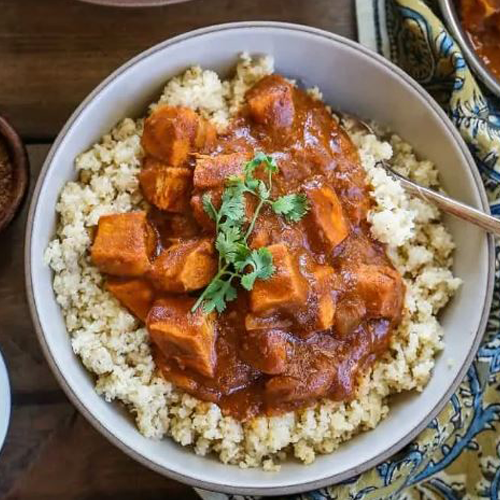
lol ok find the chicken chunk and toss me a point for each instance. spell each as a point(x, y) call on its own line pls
point(260, 237)
point(213, 171)
point(309, 380)
point(187, 337)
point(168, 188)
point(182, 226)
point(270, 102)
point(199, 213)
point(285, 289)
point(135, 294)
point(124, 244)
point(185, 380)
point(318, 312)
point(171, 133)
point(186, 266)
point(265, 350)
point(173, 227)
point(324, 309)
point(382, 290)
point(329, 223)
point(349, 315)
point(253, 322)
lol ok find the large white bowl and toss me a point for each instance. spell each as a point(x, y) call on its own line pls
point(353, 79)
point(4, 402)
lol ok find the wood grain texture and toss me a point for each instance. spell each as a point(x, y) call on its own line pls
point(54, 52)
point(51, 452)
point(28, 370)
point(78, 463)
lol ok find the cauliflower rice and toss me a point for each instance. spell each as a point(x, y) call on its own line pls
point(115, 347)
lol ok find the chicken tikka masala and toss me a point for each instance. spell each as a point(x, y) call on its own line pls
point(254, 269)
point(481, 20)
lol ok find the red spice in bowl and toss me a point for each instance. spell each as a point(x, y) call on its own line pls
point(14, 172)
point(5, 177)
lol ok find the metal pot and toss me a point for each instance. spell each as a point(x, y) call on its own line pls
point(452, 20)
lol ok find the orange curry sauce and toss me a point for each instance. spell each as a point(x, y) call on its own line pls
point(481, 20)
point(330, 308)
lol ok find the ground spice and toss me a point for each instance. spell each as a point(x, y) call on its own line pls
point(6, 178)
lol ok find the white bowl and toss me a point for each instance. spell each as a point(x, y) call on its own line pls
point(4, 402)
point(351, 78)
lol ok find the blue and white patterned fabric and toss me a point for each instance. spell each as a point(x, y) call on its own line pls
point(458, 455)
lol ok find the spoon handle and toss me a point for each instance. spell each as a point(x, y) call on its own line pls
point(451, 206)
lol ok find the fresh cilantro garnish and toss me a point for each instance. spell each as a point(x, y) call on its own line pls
point(237, 261)
point(261, 261)
point(292, 206)
point(209, 207)
point(230, 246)
point(218, 293)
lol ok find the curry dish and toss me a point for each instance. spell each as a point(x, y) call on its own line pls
point(194, 326)
point(481, 20)
point(327, 310)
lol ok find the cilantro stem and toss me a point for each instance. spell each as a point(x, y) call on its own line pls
point(236, 260)
point(201, 298)
point(261, 203)
point(254, 218)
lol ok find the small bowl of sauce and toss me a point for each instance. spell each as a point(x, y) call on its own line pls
point(475, 25)
point(14, 173)
point(481, 21)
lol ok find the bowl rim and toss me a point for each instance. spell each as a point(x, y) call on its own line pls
point(449, 10)
point(133, 3)
point(5, 405)
point(20, 163)
point(251, 490)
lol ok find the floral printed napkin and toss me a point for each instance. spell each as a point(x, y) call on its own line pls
point(458, 455)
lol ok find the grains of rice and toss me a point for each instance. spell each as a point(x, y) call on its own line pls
point(214, 99)
point(115, 347)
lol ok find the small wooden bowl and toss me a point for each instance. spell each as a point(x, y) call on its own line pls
point(134, 3)
point(20, 171)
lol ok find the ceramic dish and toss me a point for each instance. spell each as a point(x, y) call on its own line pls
point(4, 402)
point(134, 3)
point(20, 171)
point(353, 80)
point(451, 17)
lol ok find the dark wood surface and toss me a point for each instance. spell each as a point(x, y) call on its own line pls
point(52, 53)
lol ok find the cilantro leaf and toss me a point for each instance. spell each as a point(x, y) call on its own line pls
point(263, 191)
point(241, 253)
point(218, 294)
point(237, 183)
point(252, 185)
point(236, 259)
point(269, 163)
point(292, 206)
point(233, 205)
point(227, 241)
point(254, 163)
point(208, 206)
point(261, 261)
point(231, 246)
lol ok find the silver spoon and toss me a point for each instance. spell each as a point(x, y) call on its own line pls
point(443, 202)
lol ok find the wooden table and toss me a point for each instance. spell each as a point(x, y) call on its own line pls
point(52, 53)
